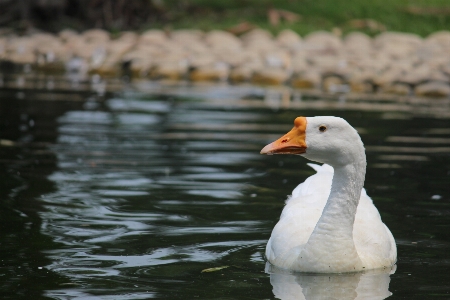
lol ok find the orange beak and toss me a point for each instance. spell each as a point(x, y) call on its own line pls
point(292, 142)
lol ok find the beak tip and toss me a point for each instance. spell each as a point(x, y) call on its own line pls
point(266, 149)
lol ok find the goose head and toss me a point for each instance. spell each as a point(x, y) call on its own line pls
point(329, 140)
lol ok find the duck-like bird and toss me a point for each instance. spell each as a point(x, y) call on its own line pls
point(329, 224)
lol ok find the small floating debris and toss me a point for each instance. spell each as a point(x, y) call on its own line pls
point(214, 269)
point(7, 143)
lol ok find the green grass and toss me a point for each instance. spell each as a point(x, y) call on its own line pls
point(316, 14)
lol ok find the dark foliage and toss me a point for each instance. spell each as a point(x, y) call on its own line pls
point(81, 14)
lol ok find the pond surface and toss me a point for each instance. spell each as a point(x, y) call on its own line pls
point(119, 191)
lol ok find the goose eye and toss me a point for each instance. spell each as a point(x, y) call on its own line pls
point(322, 128)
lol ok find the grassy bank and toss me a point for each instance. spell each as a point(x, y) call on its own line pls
point(417, 16)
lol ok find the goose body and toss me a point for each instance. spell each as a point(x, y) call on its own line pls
point(329, 224)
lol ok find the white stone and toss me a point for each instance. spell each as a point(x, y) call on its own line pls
point(433, 89)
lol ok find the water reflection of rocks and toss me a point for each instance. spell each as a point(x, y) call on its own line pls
point(368, 285)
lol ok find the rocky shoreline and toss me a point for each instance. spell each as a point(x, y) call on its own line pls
point(390, 63)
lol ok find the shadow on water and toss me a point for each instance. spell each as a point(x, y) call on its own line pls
point(132, 194)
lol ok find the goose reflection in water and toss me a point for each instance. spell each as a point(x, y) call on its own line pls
point(372, 284)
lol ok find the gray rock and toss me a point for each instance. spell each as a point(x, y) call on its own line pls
point(396, 89)
point(433, 89)
point(289, 39)
point(307, 80)
point(270, 76)
point(212, 72)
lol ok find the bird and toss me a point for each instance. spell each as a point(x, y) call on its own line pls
point(329, 224)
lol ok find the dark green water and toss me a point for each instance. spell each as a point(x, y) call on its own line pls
point(130, 194)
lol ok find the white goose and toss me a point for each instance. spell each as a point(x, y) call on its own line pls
point(329, 224)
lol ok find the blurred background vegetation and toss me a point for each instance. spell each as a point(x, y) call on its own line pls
point(303, 16)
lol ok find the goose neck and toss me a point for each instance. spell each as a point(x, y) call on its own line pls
point(339, 212)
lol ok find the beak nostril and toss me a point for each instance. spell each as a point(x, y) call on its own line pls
point(285, 140)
